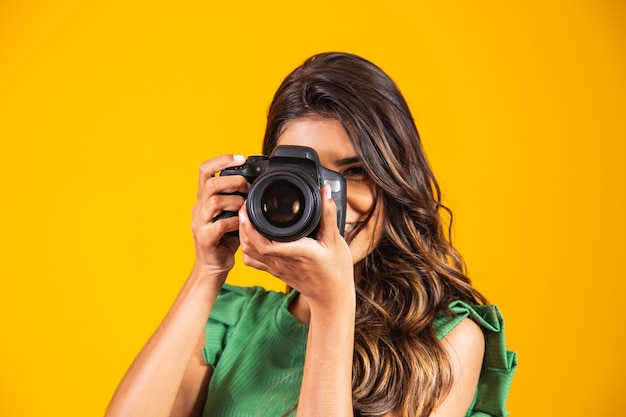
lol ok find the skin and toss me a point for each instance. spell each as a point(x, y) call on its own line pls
point(170, 374)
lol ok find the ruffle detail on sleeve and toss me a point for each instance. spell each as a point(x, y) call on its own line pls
point(499, 364)
point(224, 316)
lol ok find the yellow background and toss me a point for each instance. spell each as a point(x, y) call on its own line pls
point(108, 108)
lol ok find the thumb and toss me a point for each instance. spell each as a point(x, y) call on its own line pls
point(328, 222)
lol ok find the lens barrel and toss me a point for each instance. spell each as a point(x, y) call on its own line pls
point(284, 205)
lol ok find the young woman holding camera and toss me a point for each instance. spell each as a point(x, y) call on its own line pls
point(381, 321)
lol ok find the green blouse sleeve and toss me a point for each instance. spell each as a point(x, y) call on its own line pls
point(224, 316)
point(499, 363)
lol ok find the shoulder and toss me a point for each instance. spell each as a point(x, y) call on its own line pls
point(465, 346)
point(463, 338)
point(249, 292)
point(234, 297)
point(240, 291)
point(466, 343)
point(235, 302)
point(473, 337)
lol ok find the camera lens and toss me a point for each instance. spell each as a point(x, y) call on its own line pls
point(282, 203)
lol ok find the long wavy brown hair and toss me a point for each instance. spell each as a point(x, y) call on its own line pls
point(414, 272)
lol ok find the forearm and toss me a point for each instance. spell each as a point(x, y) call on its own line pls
point(327, 381)
point(151, 384)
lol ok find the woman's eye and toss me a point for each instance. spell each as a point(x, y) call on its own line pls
point(356, 172)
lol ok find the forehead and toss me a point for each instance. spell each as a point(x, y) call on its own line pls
point(327, 136)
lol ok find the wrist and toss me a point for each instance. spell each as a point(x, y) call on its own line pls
point(335, 310)
point(207, 279)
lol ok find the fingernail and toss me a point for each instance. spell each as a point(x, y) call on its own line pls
point(242, 218)
point(329, 191)
point(239, 158)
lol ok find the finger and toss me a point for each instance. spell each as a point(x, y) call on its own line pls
point(250, 237)
point(263, 246)
point(211, 167)
point(205, 222)
point(328, 222)
point(211, 234)
point(218, 204)
point(254, 242)
point(223, 226)
point(262, 254)
point(251, 261)
point(222, 185)
point(247, 236)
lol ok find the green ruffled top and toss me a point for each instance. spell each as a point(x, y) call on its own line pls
point(257, 350)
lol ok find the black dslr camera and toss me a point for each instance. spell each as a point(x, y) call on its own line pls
point(284, 201)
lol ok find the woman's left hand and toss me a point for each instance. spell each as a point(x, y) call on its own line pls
point(320, 269)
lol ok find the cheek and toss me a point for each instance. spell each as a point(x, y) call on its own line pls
point(360, 198)
point(368, 237)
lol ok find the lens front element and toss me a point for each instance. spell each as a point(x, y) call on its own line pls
point(284, 205)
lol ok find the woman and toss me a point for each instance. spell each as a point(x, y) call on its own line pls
point(381, 321)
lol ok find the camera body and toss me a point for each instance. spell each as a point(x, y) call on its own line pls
point(284, 201)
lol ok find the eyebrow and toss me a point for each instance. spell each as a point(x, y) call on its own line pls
point(347, 161)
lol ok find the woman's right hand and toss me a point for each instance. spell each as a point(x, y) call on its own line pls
point(215, 253)
point(169, 376)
